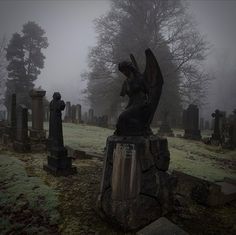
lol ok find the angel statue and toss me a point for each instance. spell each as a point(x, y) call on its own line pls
point(144, 91)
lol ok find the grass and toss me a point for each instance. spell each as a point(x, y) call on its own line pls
point(193, 157)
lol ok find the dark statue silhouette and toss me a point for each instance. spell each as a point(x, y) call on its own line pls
point(144, 91)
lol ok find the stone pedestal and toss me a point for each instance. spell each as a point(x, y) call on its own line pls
point(135, 188)
point(37, 132)
point(59, 164)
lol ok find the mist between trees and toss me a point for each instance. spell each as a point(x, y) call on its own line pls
point(170, 32)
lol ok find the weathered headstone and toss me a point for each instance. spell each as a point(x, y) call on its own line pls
point(37, 133)
point(78, 113)
point(58, 161)
point(73, 114)
point(67, 117)
point(22, 143)
point(165, 129)
point(191, 123)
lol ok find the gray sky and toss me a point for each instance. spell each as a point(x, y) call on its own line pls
point(70, 31)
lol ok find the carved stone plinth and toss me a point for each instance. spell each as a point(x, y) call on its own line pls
point(59, 164)
point(135, 188)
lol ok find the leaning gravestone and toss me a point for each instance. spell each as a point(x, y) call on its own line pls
point(58, 161)
point(22, 143)
point(135, 187)
point(191, 123)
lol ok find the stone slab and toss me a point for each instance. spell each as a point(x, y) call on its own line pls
point(162, 226)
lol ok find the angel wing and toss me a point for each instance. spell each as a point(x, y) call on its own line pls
point(154, 81)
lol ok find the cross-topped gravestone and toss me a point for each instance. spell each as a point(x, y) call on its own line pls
point(58, 161)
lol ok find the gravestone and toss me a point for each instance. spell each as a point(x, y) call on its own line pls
point(67, 117)
point(73, 114)
point(58, 161)
point(78, 113)
point(90, 116)
point(216, 136)
point(22, 143)
point(165, 129)
point(37, 133)
point(191, 123)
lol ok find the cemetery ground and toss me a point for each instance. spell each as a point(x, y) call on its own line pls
point(38, 203)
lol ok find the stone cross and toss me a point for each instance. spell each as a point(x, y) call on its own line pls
point(55, 121)
point(58, 162)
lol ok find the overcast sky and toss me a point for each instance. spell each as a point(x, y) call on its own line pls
point(70, 31)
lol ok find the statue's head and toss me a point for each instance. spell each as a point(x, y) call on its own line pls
point(126, 68)
point(56, 96)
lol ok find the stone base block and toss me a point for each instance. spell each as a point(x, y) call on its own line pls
point(135, 188)
point(21, 147)
point(38, 135)
point(59, 163)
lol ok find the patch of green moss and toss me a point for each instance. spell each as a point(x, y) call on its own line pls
point(24, 198)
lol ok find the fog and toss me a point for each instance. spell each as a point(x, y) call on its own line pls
point(70, 30)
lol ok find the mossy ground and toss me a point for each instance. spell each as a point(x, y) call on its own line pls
point(66, 205)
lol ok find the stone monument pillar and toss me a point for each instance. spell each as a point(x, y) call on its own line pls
point(22, 143)
point(37, 132)
point(73, 114)
point(191, 123)
point(78, 113)
point(58, 161)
